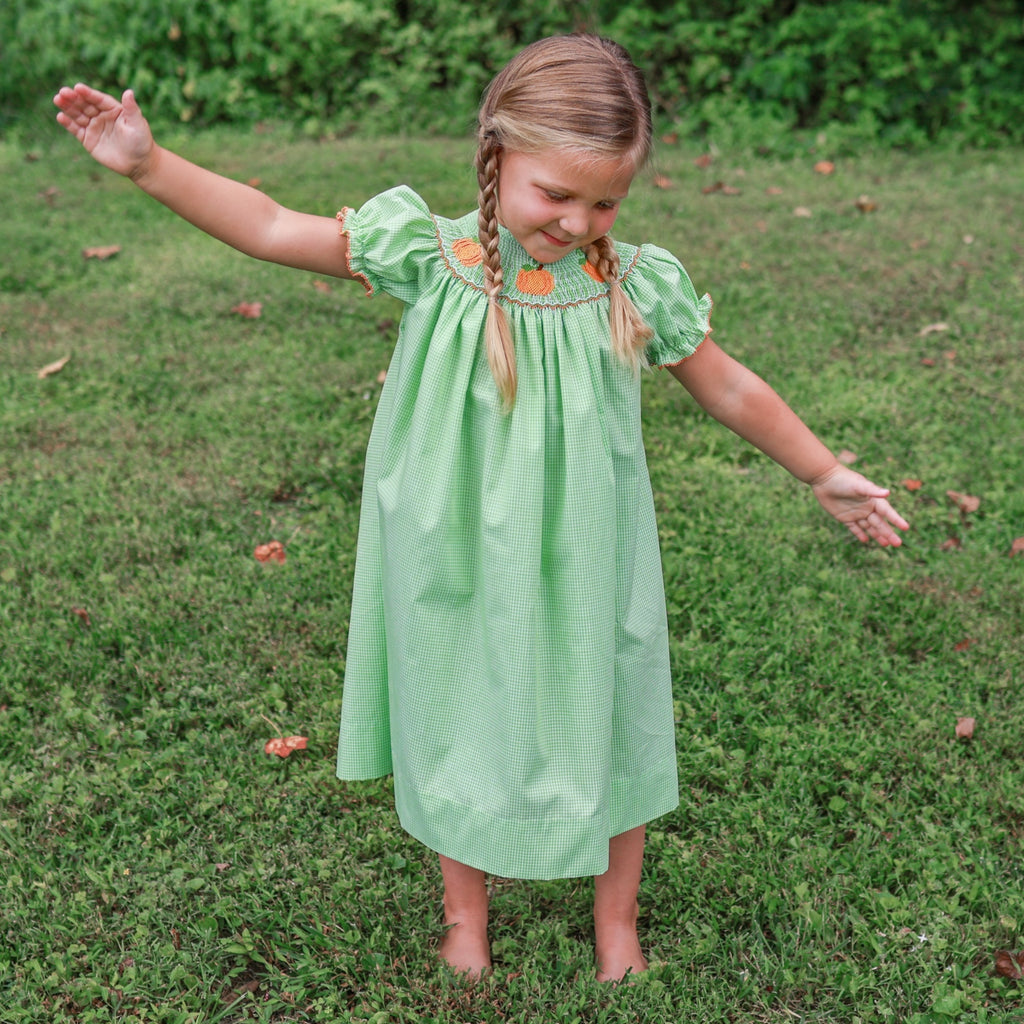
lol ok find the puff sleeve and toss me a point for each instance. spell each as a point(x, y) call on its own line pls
point(392, 243)
point(664, 295)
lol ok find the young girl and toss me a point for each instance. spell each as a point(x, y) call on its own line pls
point(508, 648)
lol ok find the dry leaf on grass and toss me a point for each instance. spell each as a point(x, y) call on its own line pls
point(250, 310)
point(802, 211)
point(101, 252)
point(284, 745)
point(912, 485)
point(1010, 965)
point(720, 186)
point(1017, 547)
point(967, 503)
point(965, 728)
point(933, 329)
point(271, 552)
point(846, 457)
point(824, 167)
point(51, 368)
point(660, 181)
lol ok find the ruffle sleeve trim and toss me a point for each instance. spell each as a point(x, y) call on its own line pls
point(342, 215)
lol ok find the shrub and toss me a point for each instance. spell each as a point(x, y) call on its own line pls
point(905, 71)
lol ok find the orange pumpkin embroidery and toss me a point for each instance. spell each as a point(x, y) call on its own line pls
point(535, 281)
point(467, 251)
point(592, 271)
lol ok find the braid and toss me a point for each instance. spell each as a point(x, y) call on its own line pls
point(629, 332)
point(498, 342)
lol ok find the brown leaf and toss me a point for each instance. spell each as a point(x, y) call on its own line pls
point(101, 252)
point(83, 615)
point(965, 728)
point(912, 485)
point(51, 368)
point(967, 503)
point(720, 186)
point(950, 544)
point(964, 644)
point(773, 190)
point(50, 195)
point(250, 310)
point(322, 286)
point(846, 457)
point(1017, 547)
point(670, 138)
point(824, 167)
point(254, 183)
point(382, 376)
point(802, 211)
point(271, 552)
point(660, 181)
point(1010, 965)
point(866, 205)
point(704, 161)
point(284, 745)
point(933, 329)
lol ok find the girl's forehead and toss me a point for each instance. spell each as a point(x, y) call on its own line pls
point(586, 172)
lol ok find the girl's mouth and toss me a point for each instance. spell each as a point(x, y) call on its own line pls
point(555, 241)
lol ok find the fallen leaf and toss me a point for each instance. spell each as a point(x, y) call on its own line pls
point(1017, 547)
point(254, 183)
point(284, 745)
point(321, 286)
point(660, 181)
point(273, 551)
point(175, 938)
point(250, 310)
point(927, 361)
point(720, 186)
point(964, 644)
point(704, 161)
point(866, 205)
point(932, 329)
point(912, 485)
point(965, 728)
point(951, 544)
point(967, 503)
point(824, 167)
point(101, 252)
point(50, 194)
point(802, 211)
point(83, 615)
point(670, 138)
point(222, 865)
point(51, 368)
point(773, 190)
point(382, 376)
point(1010, 965)
point(846, 457)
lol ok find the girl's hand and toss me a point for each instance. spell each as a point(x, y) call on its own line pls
point(860, 505)
point(114, 133)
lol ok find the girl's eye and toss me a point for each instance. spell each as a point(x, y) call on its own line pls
point(555, 197)
point(608, 205)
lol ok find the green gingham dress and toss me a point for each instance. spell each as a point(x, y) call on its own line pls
point(508, 646)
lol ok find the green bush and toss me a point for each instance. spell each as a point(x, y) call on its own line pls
point(902, 71)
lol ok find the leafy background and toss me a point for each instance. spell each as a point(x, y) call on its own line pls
point(906, 71)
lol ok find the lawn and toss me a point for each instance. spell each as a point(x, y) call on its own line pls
point(839, 855)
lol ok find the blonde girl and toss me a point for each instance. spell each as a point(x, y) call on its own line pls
point(508, 645)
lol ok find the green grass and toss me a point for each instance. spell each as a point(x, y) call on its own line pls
point(837, 856)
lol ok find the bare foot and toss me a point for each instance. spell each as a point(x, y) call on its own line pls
point(619, 954)
point(466, 950)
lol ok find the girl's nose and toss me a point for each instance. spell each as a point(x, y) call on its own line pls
point(573, 222)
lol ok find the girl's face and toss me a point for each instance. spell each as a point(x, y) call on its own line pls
point(555, 201)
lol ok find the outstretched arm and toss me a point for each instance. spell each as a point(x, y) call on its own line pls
point(744, 403)
point(115, 133)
